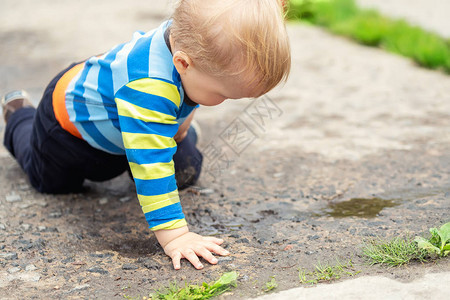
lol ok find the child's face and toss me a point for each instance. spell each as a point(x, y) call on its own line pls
point(208, 90)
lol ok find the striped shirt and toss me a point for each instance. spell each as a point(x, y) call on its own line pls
point(130, 101)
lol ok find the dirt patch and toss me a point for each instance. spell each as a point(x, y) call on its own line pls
point(82, 243)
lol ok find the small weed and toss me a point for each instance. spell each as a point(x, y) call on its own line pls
point(271, 285)
point(395, 252)
point(196, 292)
point(327, 272)
point(438, 244)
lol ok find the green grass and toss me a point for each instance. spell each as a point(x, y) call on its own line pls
point(395, 252)
point(196, 292)
point(371, 28)
point(327, 272)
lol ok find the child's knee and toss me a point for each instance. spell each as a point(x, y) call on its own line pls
point(188, 162)
point(190, 171)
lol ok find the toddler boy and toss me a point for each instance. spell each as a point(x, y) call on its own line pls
point(131, 108)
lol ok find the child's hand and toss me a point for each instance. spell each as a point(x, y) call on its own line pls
point(191, 246)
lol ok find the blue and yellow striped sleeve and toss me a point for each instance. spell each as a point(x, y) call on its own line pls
point(147, 111)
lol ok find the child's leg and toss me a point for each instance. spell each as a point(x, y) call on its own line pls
point(54, 160)
point(27, 132)
point(17, 135)
point(65, 160)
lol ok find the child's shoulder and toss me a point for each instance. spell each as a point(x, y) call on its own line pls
point(148, 55)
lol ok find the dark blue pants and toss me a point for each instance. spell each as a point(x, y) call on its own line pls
point(58, 162)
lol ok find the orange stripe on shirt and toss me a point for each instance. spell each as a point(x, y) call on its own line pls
point(59, 100)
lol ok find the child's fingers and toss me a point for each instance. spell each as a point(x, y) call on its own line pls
point(176, 258)
point(217, 249)
point(206, 254)
point(190, 255)
point(213, 239)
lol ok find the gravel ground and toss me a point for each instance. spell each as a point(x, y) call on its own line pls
point(355, 145)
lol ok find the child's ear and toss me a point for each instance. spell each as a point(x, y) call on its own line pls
point(181, 61)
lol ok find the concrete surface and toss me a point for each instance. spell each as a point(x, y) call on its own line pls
point(431, 286)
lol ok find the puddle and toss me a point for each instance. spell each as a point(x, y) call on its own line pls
point(358, 207)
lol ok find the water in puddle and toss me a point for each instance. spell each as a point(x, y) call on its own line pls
point(358, 207)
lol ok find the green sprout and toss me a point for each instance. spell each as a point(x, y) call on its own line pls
point(270, 285)
point(438, 244)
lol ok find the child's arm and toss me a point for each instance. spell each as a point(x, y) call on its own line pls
point(147, 110)
point(184, 127)
point(180, 243)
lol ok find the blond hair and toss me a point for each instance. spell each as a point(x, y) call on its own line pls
point(235, 37)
